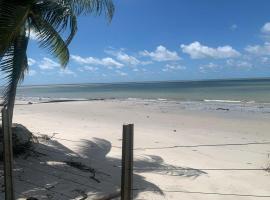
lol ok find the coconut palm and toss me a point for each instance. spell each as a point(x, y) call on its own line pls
point(49, 20)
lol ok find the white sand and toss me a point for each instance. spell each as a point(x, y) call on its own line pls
point(95, 130)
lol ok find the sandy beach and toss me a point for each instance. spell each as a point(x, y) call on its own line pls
point(179, 153)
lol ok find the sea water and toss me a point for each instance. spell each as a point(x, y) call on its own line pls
point(227, 91)
point(233, 93)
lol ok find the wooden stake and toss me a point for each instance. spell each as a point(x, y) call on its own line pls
point(127, 162)
point(8, 154)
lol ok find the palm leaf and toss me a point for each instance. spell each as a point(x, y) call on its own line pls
point(60, 16)
point(49, 38)
point(91, 7)
point(14, 64)
point(12, 19)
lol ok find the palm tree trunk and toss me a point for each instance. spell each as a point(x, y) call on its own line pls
point(11, 102)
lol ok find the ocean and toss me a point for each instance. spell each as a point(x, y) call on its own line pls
point(227, 91)
point(251, 95)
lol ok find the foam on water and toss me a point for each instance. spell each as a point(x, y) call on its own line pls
point(222, 100)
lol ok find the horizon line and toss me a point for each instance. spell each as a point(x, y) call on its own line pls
point(156, 81)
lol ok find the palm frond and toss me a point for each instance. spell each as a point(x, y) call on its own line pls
point(73, 29)
point(49, 38)
point(91, 7)
point(14, 64)
point(12, 19)
point(60, 16)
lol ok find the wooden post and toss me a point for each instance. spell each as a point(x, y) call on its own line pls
point(8, 154)
point(127, 162)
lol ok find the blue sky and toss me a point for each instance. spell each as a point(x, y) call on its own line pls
point(156, 40)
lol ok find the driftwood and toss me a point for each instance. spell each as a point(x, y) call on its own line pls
point(225, 109)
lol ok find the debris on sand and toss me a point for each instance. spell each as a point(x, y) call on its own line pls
point(225, 109)
point(83, 168)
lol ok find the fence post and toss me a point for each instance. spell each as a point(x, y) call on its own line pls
point(8, 154)
point(127, 162)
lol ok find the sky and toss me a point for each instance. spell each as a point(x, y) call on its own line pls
point(158, 40)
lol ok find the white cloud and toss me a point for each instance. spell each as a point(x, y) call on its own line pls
point(31, 61)
point(244, 64)
point(111, 62)
point(127, 59)
point(123, 57)
point(67, 72)
point(88, 68)
point(259, 50)
point(33, 35)
point(264, 59)
point(96, 61)
point(239, 63)
point(121, 73)
point(161, 54)
point(209, 66)
point(196, 50)
point(266, 28)
point(48, 64)
point(146, 62)
point(170, 67)
point(32, 73)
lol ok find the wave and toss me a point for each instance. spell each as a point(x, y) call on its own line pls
point(223, 100)
point(206, 104)
point(160, 99)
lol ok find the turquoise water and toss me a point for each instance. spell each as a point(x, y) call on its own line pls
point(248, 90)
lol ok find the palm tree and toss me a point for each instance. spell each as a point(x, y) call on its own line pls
point(49, 20)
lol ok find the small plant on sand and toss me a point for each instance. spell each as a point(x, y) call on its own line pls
point(267, 167)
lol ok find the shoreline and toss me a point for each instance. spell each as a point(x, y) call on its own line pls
point(203, 105)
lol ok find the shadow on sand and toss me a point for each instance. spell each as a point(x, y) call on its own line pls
point(50, 170)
